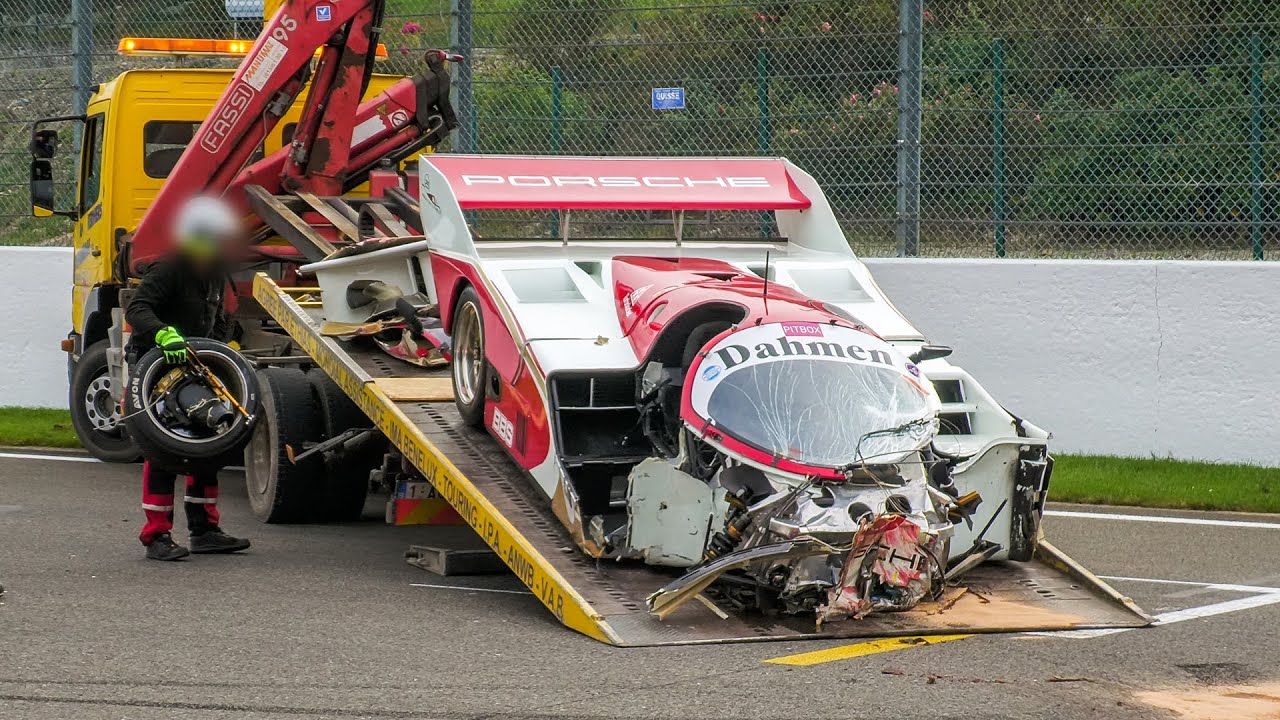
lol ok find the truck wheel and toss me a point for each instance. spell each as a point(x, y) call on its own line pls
point(346, 480)
point(279, 490)
point(95, 417)
point(469, 368)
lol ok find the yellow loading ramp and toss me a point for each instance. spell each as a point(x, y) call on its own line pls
point(605, 599)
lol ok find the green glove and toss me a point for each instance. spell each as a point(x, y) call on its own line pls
point(173, 344)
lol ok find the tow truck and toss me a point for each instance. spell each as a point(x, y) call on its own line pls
point(345, 190)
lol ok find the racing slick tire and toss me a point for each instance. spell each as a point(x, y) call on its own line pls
point(180, 450)
point(346, 475)
point(281, 491)
point(469, 368)
point(96, 418)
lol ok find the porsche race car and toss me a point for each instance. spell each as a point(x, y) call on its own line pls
point(687, 360)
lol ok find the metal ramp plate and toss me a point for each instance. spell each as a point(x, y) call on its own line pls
point(605, 599)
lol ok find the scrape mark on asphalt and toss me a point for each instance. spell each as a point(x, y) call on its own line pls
point(1238, 702)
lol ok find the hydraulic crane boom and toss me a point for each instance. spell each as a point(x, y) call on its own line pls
point(337, 139)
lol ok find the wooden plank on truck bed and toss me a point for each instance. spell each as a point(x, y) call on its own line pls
point(420, 389)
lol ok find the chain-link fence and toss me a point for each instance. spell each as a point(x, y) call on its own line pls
point(1020, 128)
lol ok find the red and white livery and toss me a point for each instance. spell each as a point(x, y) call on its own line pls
point(743, 403)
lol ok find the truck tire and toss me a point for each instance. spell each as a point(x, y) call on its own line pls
point(469, 369)
point(281, 491)
point(346, 479)
point(94, 416)
point(179, 449)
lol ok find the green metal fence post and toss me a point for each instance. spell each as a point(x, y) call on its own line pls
point(460, 39)
point(997, 142)
point(764, 140)
point(82, 52)
point(910, 72)
point(1255, 145)
point(557, 88)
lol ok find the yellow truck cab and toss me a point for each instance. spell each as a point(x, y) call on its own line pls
point(134, 129)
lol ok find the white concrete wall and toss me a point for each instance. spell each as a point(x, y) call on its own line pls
point(35, 315)
point(1161, 358)
point(1134, 358)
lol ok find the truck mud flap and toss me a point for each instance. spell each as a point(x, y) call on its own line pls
point(605, 600)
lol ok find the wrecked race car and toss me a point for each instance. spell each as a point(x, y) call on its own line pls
point(689, 364)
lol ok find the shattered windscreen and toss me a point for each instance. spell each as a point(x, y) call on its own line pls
point(818, 395)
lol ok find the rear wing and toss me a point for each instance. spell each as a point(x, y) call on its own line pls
point(451, 184)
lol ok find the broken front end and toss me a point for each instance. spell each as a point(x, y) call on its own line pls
point(803, 473)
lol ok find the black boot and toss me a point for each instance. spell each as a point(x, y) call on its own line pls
point(214, 540)
point(164, 548)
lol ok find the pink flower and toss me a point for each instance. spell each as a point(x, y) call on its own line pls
point(895, 89)
point(404, 51)
point(825, 27)
point(853, 99)
point(1036, 119)
point(876, 91)
point(928, 16)
point(411, 28)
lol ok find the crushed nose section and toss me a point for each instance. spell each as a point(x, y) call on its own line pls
point(892, 566)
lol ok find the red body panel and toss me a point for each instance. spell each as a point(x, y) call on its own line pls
point(520, 401)
point(653, 292)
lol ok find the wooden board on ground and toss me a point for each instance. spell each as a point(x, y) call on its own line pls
point(433, 389)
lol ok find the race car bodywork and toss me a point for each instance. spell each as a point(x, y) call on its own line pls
point(751, 409)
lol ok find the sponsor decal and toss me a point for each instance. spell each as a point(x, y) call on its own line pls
point(632, 299)
point(710, 372)
point(802, 329)
point(617, 181)
point(217, 128)
point(264, 64)
point(913, 369)
point(503, 428)
point(784, 347)
point(324, 13)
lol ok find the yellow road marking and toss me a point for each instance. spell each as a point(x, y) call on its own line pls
point(844, 652)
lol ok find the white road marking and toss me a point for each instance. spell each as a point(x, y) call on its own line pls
point(1232, 587)
point(471, 589)
point(1163, 519)
point(62, 458)
point(1261, 597)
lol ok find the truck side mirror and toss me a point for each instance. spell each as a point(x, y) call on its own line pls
point(43, 192)
point(929, 352)
point(44, 143)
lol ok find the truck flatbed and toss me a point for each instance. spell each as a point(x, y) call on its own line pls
point(605, 599)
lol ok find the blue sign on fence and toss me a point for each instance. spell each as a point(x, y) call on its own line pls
point(668, 98)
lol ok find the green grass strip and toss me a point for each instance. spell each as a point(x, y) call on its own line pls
point(1164, 483)
point(1102, 480)
point(37, 427)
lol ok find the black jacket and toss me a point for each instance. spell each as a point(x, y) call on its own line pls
point(174, 293)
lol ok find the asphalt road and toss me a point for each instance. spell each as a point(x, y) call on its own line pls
point(325, 622)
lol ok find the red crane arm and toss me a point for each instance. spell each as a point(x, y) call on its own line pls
point(337, 138)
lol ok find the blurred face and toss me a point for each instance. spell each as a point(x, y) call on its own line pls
point(204, 249)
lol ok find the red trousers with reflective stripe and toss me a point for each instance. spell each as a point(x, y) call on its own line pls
point(157, 501)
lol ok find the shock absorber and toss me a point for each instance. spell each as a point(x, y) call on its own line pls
point(736, 523)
